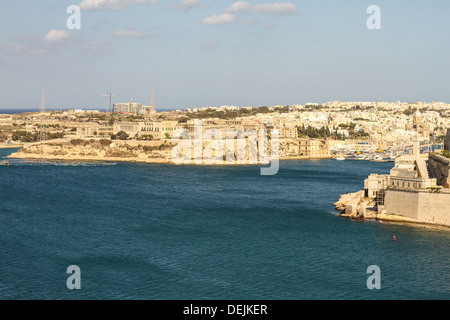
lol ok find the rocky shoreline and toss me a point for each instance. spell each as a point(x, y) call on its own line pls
point(117, 151)
point(357, 207)
point(11, 146)
point(20, 155)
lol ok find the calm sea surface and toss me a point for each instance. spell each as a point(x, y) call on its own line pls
point(144, 231)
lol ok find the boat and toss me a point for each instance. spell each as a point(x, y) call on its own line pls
point(377, 158)
point(340, 158)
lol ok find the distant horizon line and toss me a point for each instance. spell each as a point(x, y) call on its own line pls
point(183, 108)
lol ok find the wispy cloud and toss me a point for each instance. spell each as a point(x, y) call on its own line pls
point(132, 33)
point(37, 45)
point(187, 4)
point(15, 47)
point(230, 14)
point(270, 8)
point(56, 36)
point(220, 18)
point(29, 48)
point(110, 4)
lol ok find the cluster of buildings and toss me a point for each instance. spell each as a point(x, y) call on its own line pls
point(133, 107)
point(363, 127)
point(417, 189)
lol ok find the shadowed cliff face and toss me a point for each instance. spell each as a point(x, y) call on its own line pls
point(440, 169)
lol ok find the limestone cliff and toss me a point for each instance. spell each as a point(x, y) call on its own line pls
point(149, 151)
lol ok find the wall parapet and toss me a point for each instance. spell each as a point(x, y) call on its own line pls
point(440, 168)
point(439, 158)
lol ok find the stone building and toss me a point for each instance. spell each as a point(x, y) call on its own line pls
point(99, 131)
point(447, 141)
point(158, 129)
point(415, 189)
point(130, 128)
point(422, 128)
point(127, 107)
point(314, 147)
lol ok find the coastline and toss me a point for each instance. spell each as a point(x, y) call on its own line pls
point(162, 160)
point(17, 155)
point(346, 203)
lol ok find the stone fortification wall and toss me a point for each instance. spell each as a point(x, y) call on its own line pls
point(440, 169)
point(422, 205)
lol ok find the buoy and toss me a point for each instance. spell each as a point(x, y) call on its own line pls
point(394, 239)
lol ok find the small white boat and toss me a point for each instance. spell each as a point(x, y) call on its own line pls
point(340, 158)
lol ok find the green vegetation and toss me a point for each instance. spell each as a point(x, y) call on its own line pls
point(146, 137)
point(411, 110)
point(77, 142)
point(150, 148)
point(105, 142)
point(133, 117)
point(55, 135)
point(111, 121)
point(160, 147)
point(350, 126)
point(325, 132)
point(313, 133)
point(359, 107)
point(24, 136)
point(314, 108)
point(435, 189)
point(3, 136)
point(359, 134)
point(231, 114)
point(446, 153)
point(121, 135)
point(166, 146)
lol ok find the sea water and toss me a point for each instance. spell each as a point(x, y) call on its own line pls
point(153, 231)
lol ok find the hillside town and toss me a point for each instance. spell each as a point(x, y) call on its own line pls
point(377, 131)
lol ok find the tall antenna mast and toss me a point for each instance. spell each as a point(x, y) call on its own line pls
point(152, 98)
point(108, 96)
point(41, 128)
point(42, 106)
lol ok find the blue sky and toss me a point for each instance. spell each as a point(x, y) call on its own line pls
point(199, 53)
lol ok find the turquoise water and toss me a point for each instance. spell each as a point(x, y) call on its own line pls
point(144, 231)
